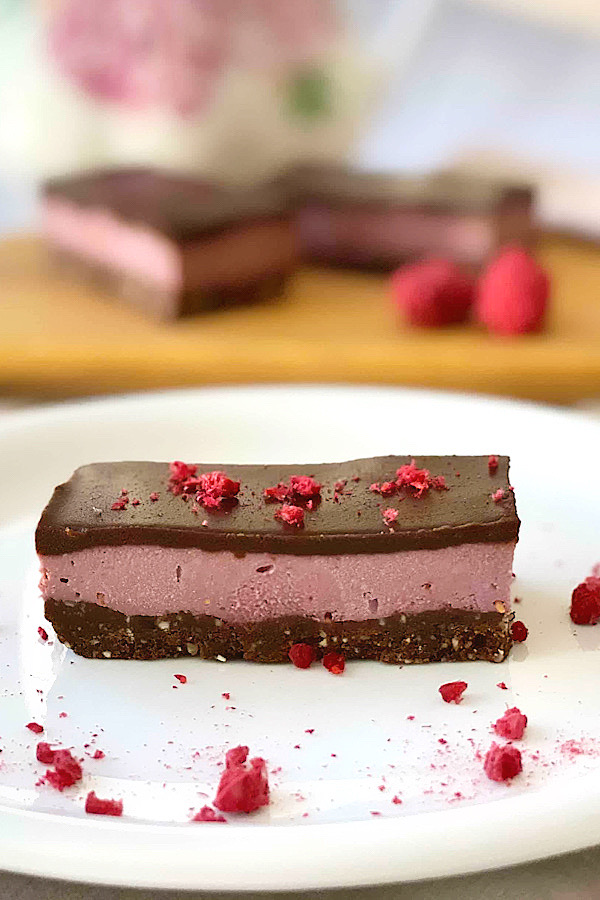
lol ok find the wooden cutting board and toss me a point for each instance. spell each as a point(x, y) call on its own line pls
point(61, 338)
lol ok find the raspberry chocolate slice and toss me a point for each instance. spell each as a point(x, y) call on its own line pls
point(389, 558)
point(170, 244)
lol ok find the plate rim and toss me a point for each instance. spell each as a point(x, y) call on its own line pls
point(378, 838)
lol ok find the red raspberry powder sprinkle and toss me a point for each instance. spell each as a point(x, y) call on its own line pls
point(511, 725)
point(585, 602)
point(35, 727)
point(498, 495)
point(42, 633)
point(453, 691)
point(67, 770)
point(181, 678)
point(302, 655)
point(244, 786)
point(44, 753)
point(98, 807)
point(518, 632)
point(502, 763)
point(207, 814)
point(390, 516)
point(291, 515)
point(334, 662)
point(492, 464)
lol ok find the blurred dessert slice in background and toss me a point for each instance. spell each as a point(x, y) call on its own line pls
point(349, 217)
point(168, 243)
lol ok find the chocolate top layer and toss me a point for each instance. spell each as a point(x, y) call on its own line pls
point(79, 514)
point(181, 206)
point(440, 191)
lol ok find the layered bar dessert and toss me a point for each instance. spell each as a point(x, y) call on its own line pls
point(389, 558)
point(348, 217)
point(170, 244)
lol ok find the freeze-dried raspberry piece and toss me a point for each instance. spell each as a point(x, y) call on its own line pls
point(511, 725)
point(585, 602)
point(244, 786)
point(207, 814)
point(302, 655)
point(98, 807)
point(453, 691)
point(67, 770)
point(502, 763)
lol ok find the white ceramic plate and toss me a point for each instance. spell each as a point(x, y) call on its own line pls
point(163, 746)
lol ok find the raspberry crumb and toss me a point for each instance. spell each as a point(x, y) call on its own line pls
point(44, 753)
point(492, 464)
point(585, 602)
point(291, 515)
point(181, 678)
point(415, 481)
point(135, 502)
point(511, 725)
point(453, 691)
point(120, 504)
point(97, 807)
point(226, 695)
point(98, 754)
point(42, 633)
point(67, 770)
point(518, 632)
point(244, 786)
point(502, 763)
point(154, 496)
point(390, 516)
point(207, 814)
point(35, 727)
point(396, 799)
point(302, 655)
point(502, 686)
point(299, 489)
point(498, 495)
point(334, 662)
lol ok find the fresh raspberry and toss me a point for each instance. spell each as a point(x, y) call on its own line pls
point(35, 727)
point(98, 807)
point(502, 763)
point(585, 602)
point(44, 753)
point(67, 770)
point(512, 295)
point(243, 787)
point(511, 725)
point(334, 662)
point(453, 691)
point(291, 515)
point(302, 655)
point(432, 293)
point(518, 632)
point(207, 814)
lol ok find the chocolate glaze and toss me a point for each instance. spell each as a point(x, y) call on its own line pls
point(79, 514)
point(182, 207)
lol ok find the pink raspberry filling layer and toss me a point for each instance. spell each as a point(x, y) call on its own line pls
point(152, 581)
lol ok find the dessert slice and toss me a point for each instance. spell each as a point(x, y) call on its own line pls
point(170, 244)
point(388, 558)
point(361, 219)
